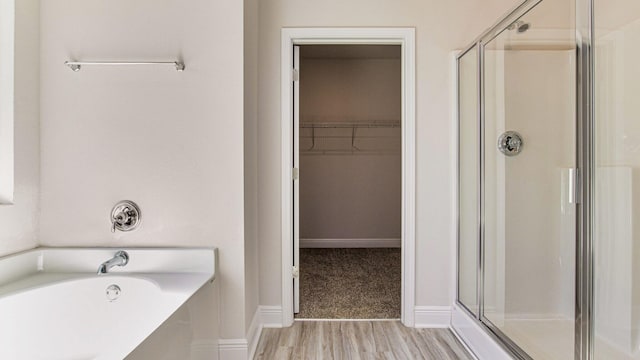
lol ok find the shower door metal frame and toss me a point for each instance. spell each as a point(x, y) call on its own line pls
point(584, 157)
point(585, 141)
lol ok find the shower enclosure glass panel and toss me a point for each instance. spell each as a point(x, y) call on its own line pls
point(616, 197)
point(529, 129)
point(469, 167)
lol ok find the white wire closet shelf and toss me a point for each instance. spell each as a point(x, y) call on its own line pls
point(350, 124)
point(350, 138)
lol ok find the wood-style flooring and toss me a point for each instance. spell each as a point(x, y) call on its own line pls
point(358, 340)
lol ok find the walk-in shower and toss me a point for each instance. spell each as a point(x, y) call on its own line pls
point(549, 180)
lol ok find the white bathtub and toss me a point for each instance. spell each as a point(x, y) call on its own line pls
point(63, 312)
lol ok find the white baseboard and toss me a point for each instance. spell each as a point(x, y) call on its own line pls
point(432, 316)
point(254, 332)
point(233, 349)
point(350, 243)
point(270, 316)
point(243, 349)
point(425, 316)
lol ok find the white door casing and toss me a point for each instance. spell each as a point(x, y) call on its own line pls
point(296, 178)
point(405, 37)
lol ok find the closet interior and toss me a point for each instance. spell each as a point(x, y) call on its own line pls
point(350, 181)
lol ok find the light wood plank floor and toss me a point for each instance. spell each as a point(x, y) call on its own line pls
point(358, 340)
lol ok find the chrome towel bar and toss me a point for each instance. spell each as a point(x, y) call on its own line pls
point(77, 65)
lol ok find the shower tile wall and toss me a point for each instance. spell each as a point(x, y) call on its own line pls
point(529, 221)
point(617, 192)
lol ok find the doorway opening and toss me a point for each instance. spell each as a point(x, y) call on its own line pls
point(349, 190)
point(296, 138)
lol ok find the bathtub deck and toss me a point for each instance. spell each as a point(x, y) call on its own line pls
point(358, 340)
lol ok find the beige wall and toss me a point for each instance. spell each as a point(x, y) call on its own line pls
point(354, 89)
point(19, 222)
point(441, 27)
point(345, 196)
point(251, 158)
point(172, 142)
point(350, 196)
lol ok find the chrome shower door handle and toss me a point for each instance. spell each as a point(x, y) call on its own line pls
point(574, 186)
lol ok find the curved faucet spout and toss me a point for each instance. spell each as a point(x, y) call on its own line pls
point(121, 258)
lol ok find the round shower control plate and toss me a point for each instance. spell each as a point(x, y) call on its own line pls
point(510, 143)
point(125, 216)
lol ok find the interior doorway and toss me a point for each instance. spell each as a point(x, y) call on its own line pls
point(404, 38)
point(347, 196)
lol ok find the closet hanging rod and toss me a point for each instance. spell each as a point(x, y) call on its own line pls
point(349, 125)
point(348, 152)
point(77, 65)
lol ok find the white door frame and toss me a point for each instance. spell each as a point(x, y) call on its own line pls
point(405, 37)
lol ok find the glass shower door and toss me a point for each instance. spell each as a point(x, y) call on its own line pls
point(469, 175)
point(529, 160)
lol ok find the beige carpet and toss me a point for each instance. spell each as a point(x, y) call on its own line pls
point(350, 283)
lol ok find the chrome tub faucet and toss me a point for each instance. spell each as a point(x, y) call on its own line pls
point(121, 258)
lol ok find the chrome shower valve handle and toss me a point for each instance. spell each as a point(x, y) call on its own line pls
point(510, 143)
point(125, 216)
